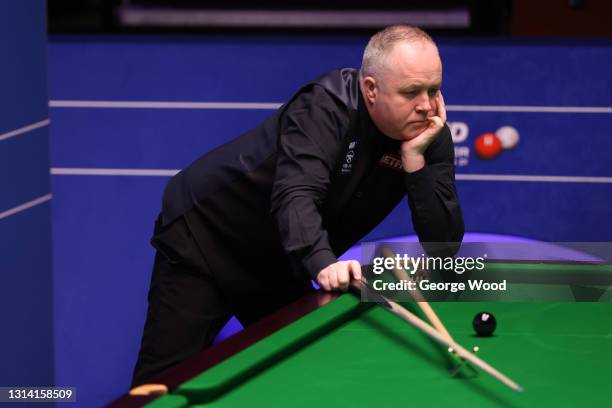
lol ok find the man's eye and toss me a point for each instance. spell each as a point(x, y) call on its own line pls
point(433, 92)
point(410, 94)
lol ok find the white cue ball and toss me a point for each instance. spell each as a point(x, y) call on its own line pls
point(508, 136)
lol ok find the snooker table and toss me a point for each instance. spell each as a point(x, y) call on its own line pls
point(334, 350)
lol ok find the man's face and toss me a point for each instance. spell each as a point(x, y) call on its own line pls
point(403, 96)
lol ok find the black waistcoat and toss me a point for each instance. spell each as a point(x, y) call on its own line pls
point(230, 187)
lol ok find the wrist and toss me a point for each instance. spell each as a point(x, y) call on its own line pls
point(413, 162)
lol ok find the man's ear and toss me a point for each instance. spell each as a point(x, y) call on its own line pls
point(370, 89)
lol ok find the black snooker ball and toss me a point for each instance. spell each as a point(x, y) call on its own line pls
point(484, 324)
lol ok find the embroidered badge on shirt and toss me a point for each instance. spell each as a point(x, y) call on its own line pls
point(392, 161)
point(347, 164)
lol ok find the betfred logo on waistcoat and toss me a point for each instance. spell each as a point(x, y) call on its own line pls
point(392, 161)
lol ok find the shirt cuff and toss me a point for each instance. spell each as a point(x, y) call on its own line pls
point(318, 261)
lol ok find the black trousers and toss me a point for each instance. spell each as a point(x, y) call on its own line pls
point(188, 306)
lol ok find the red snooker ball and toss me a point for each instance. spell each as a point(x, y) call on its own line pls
point(487, 146)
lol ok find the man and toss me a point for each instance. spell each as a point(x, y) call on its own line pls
point(244, 228)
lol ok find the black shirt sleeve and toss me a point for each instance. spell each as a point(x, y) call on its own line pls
point(433, 201)
point(311, 129)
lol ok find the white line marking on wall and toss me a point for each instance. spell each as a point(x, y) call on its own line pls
point(542, 179)
point(25, 206)
point(24, 129)
point(273, 106)
point(162, 105)
point(76, 171)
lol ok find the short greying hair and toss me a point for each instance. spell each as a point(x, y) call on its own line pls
point(381, 44)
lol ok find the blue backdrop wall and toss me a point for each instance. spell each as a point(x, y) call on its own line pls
point(26, 339)
point(129, 112)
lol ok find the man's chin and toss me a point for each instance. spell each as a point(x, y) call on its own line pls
point(405, 134)
point(410, 134)
point(413, 130)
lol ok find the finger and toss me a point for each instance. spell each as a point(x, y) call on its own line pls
point(441, 107)
point(356, 270)
point(333, 277)
point(436, 122)
point(323, 281)
point(343, 277)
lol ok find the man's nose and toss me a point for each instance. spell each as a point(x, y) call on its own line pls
point(424, 104)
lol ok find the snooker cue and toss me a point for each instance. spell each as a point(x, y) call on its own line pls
point(426, 308)
point(418, 298)
point(398, 310)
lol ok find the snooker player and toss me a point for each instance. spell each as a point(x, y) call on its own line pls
point(245, 228)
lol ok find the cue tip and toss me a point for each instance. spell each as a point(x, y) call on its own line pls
point(519, 389)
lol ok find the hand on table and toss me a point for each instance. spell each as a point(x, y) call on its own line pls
point(337, 276)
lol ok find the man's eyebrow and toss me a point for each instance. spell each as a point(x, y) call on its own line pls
point(414, 87)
